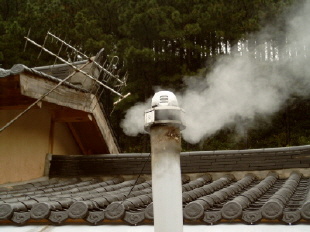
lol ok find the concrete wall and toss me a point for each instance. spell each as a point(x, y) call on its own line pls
point(24, 145)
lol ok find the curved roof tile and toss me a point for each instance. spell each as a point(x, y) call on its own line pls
point(205, 200)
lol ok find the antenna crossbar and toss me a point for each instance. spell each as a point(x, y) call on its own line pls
point(85, 56)
point(74, 67)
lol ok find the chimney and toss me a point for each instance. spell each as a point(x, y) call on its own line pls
point(163, 122)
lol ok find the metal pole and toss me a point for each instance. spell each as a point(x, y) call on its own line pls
point(166, 178)
point(164, 122)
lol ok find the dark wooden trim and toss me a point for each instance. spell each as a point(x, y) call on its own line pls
point(77, 138)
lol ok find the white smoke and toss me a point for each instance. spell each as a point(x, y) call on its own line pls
point(133, 123)
point(240, 88)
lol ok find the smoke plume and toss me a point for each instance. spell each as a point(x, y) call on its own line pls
point(241, 87)
point(133, 123)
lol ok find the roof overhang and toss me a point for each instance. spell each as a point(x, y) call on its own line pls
point(80, 109)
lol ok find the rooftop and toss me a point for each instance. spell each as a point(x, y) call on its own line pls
point(117, 190)
point(249, 200)
point(261, 186)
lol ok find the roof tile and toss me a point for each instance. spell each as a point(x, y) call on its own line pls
point(204, 199)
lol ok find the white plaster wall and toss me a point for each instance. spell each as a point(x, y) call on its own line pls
point(24, 144)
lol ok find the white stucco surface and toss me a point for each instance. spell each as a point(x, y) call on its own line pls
point(148, 228)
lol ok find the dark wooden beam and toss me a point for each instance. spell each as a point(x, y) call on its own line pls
point(78, 139)
point(69, 115)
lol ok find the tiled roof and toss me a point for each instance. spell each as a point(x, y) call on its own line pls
point(60, 71)
point(205, 200)
point(20, 68)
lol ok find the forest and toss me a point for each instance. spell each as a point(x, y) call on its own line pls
point(162, 44)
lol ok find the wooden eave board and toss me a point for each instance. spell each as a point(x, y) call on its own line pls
point(89, 137)
point(105, 129)
point(35, 87)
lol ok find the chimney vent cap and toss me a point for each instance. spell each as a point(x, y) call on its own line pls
point(164, 98)
point(165, 111)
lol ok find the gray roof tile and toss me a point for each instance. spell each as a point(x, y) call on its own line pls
point(205, 200)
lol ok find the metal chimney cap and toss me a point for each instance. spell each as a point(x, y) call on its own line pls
point(165, 111)
point(164, 98)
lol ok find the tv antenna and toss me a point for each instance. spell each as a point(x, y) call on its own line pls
point(103, 73)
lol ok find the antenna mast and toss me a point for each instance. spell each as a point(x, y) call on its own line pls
point(110, 78)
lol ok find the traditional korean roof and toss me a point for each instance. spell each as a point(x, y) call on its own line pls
point(250, 200)
point(269, 192)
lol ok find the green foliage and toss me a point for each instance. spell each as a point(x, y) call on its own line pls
point(158, 41)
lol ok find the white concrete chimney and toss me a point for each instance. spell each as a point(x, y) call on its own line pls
point(164, 122)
